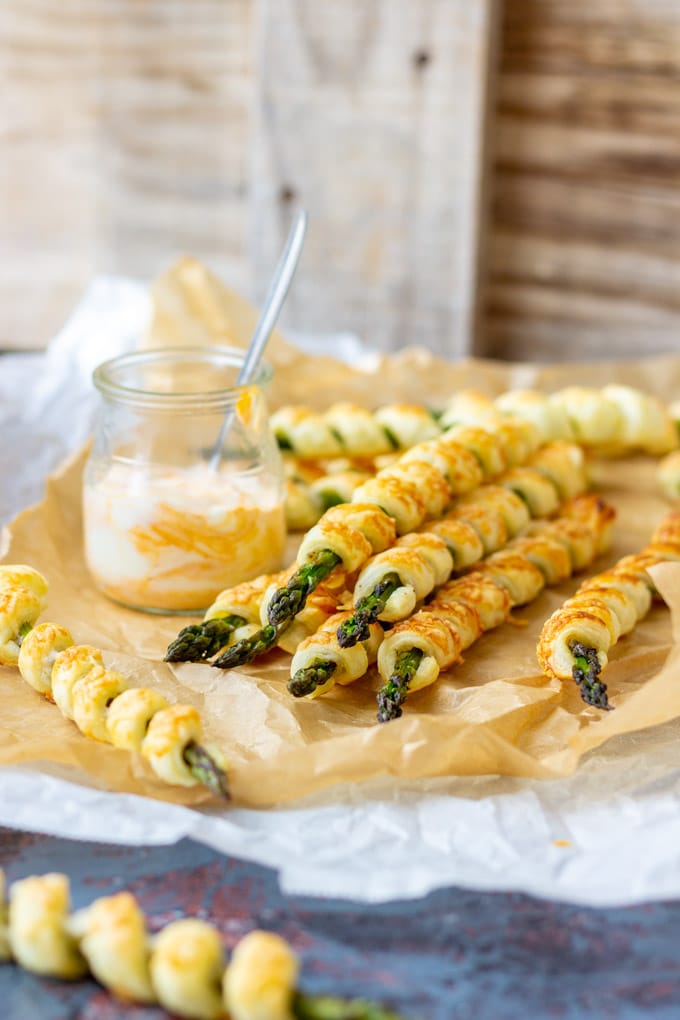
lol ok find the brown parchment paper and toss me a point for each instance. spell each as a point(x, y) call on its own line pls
point(494, 714)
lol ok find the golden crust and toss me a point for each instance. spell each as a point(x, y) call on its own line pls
point(484, 445)
point(481, 593)
point(169, 732)
point(564, 626)
point(37, 654)
point(113, 939)
point(431, 484)
point(187, 965)
point(260, 980)
point(377, 526)
point(70, 666)
point(91, 698)
point(129, 716)
point(38, 910)
point(516, 573)
point(19, 609)
point(399, 498)
point(546, 553)
point(488, 523)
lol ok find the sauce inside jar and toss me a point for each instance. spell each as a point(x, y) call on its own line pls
point(164, 530)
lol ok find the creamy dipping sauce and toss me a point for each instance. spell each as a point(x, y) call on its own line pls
point(172, 539)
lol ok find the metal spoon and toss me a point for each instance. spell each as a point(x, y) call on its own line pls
point(273, 303)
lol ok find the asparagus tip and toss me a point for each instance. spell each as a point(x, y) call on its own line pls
point(586, 673)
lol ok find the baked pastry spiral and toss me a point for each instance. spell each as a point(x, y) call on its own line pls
point(99, 700)
point(415, 651)
point(346, 428)
point(183, 967)
point(576, 639)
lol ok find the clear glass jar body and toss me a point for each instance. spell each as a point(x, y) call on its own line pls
point(164, 529)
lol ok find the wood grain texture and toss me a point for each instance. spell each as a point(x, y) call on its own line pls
point(584, 250)
point(124, 131)
point(373, 117)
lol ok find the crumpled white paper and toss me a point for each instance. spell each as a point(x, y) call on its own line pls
point(606, 836)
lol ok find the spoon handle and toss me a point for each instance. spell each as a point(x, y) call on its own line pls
point(273, 302)
point(276, 295)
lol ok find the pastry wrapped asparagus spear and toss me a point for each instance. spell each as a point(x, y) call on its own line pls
point(182, 967)
point(415, 651)
point(576, 639)
point(348, 429)
point(97, 699)
point(392, 582)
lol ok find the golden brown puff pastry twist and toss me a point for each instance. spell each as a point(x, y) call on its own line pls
point(537, 491)
point(260, 979)
point(70, 666)
point(577, 638)
point(546, 553)
point(489, 524)
point(596, 513)
point(187, 966)
point(406, 424)
point(470, 407)
point(305, 432)
point(321, 604)
point(519, 439)
point(647, 424)
point(668, 529)
point(505, 502)
point(435, 636)
point(400, 499)
point(516, 573)
point(430, 483)
point(38, 652)
point(416, 580)
point(563, 464)
point(578, 539)
point(549, 417)
point(20, 607)
point(459, 465)
point(88, 693)
point(479, 592)
point(484, 444)
point(462, 540)
point(360, 431)
point(38, 935)
point(182, 967)
point(112, 937)
point(629, 583)
point(595, 420)
point(350, 663)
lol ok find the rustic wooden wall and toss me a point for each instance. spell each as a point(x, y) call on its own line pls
point(134, 131)
point(584, 252)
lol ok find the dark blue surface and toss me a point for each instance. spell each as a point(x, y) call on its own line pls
point(453, 954)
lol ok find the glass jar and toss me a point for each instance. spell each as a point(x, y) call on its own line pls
point(165, 530)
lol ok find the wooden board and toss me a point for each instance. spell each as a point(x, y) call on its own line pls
point(135, 131)
point(124, 132)
point(584, 252)
point(373, 116)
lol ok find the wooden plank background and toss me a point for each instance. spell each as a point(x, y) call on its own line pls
point(135, 130)
point(139, 130)
point(584, 252)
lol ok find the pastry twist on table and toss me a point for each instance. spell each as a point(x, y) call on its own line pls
point(182, 967)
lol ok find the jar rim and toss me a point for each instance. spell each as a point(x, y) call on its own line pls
point(206, 399)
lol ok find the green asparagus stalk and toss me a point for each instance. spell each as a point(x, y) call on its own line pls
point(200, 641)
point(322, 1007)
point(310, 677)
point(248, 648)
point(206, 769)
point(289, 600)
point(586, 673)
point(392, 694)
point(366, 612)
